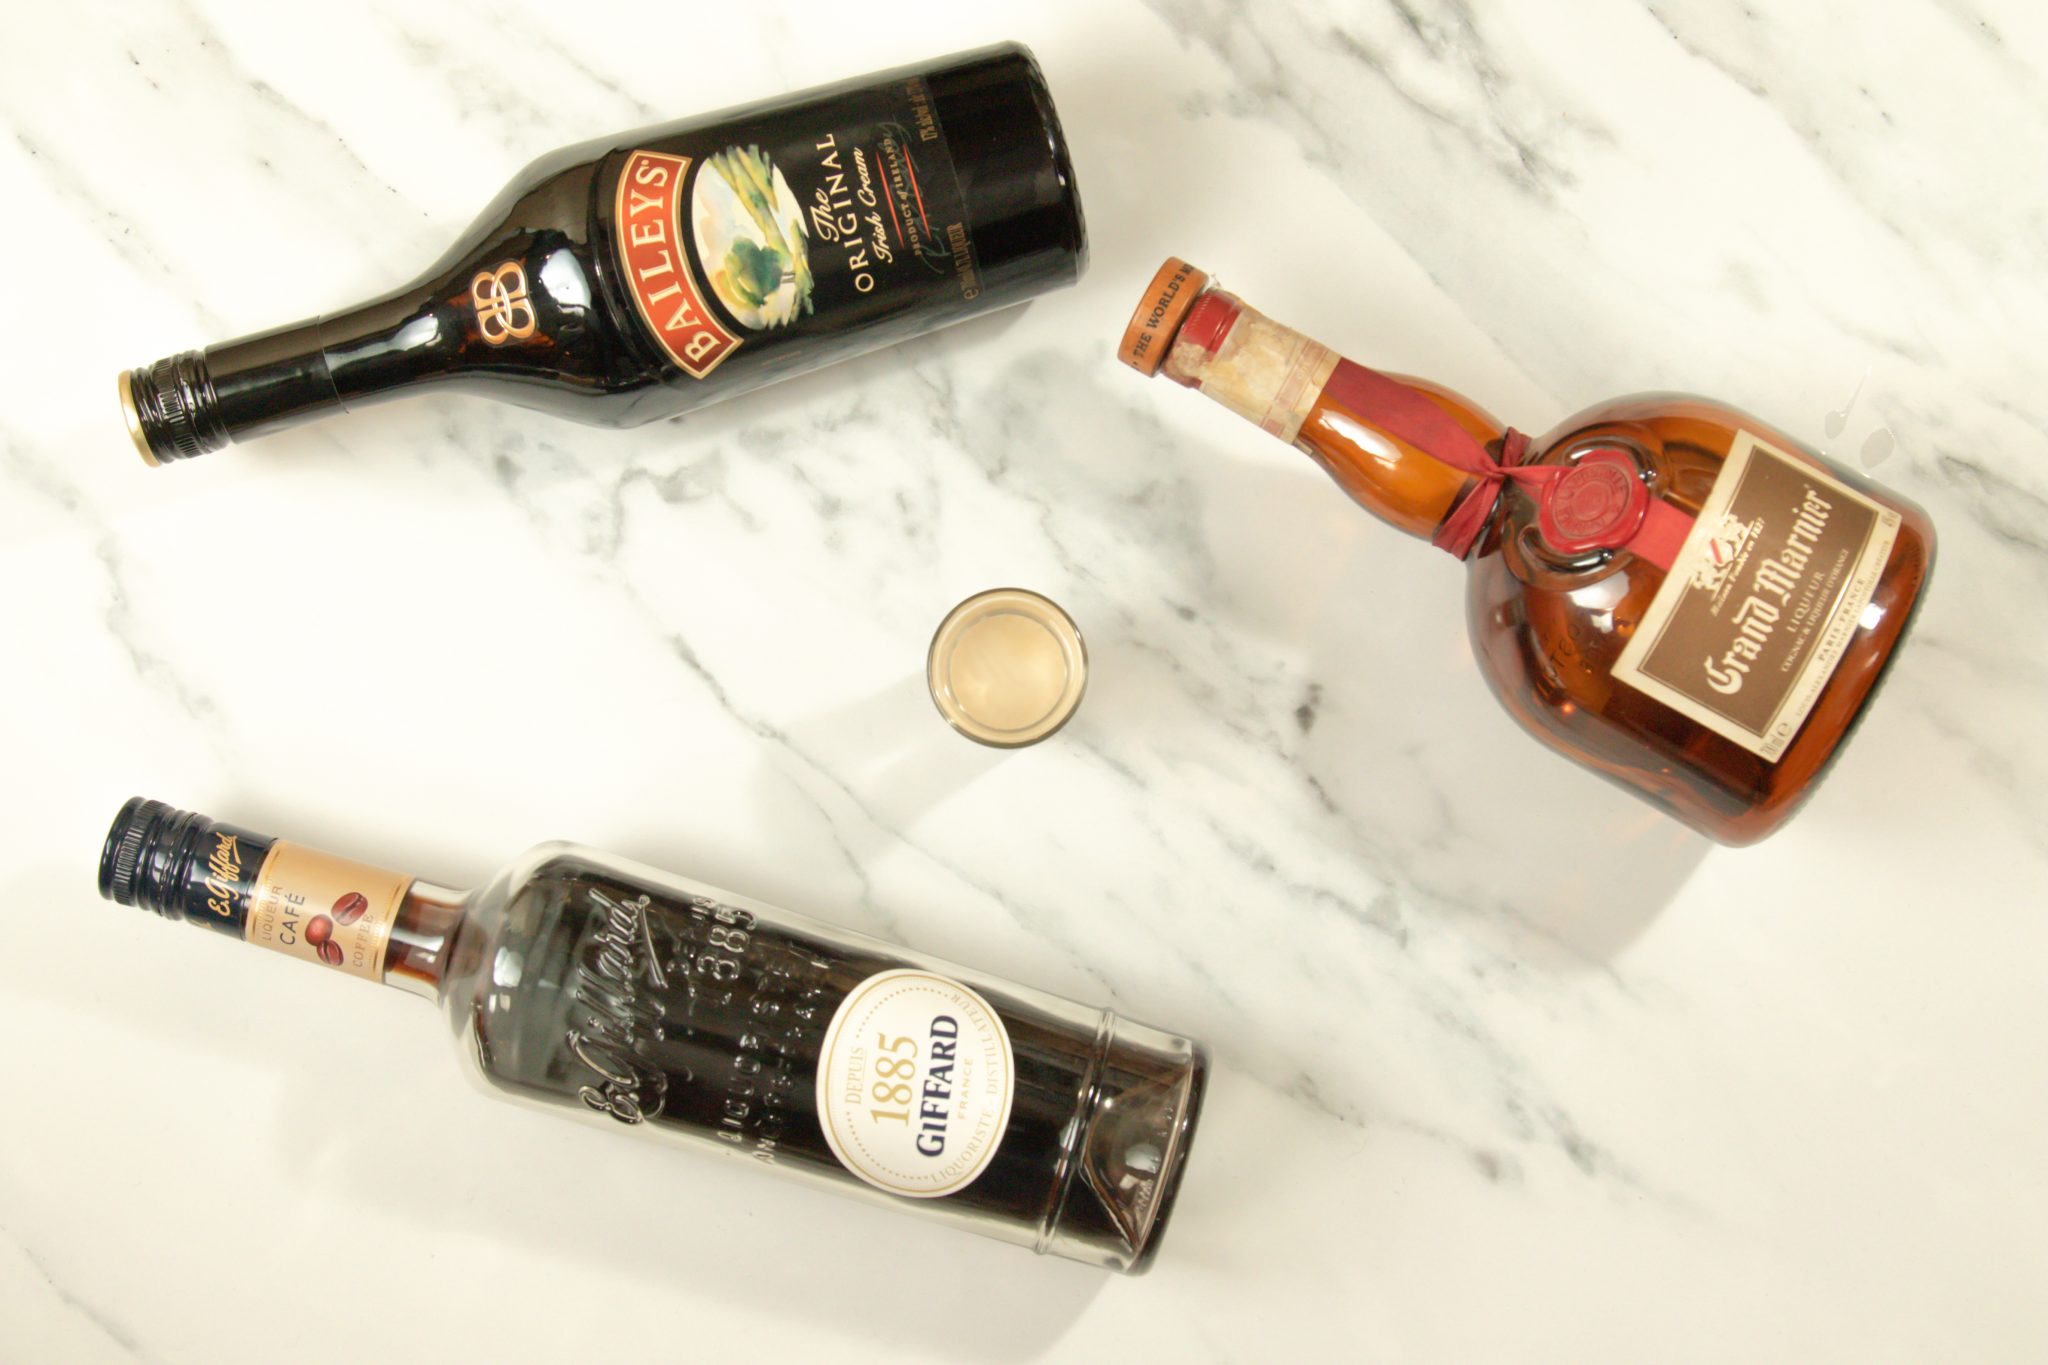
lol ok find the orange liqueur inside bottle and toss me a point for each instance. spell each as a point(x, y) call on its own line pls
point(1672, 593)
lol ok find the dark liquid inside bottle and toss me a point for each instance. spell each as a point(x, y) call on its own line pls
point(706, 1020)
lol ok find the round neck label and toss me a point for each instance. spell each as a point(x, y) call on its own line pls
point(915, 1083)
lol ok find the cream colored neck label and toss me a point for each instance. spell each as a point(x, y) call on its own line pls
point(1764, 597)
point(1265, 373)
point(320, 908)
point(915, 1083)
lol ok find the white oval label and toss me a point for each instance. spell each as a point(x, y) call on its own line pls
point(915, 1084)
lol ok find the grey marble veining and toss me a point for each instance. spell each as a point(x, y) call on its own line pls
point(1508, 1067)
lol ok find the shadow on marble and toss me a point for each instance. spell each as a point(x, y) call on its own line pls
point(1279, 620)
point(707, 1226)
point(894, 744)
point(1415, 755)
point(1339, 646)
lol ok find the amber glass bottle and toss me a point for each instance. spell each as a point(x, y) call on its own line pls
point(1673, 593)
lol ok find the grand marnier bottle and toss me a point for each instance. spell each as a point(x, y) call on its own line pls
point(641, 276)
point(647, 1002)
point(1682, 598)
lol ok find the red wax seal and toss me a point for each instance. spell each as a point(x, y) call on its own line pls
point(1596, 504)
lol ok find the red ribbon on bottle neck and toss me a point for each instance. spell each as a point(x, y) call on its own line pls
point(1646, 525)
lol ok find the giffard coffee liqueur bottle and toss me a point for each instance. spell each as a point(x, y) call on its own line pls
point(649, 1003)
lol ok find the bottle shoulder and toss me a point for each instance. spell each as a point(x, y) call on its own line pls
point(1693, 435)
point(500, 915)
point(1550, 628)
point(1550, 621)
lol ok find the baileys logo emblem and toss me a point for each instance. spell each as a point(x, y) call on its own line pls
point(503, 311)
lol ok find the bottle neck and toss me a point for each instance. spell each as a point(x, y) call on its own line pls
point(422, 936)
point(365, 921)
point(190, 404)
point(1289, 385)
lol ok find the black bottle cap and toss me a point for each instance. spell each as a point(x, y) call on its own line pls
point(1016, 176)
point(144, 842)
point(181, 864)
point(171, 409)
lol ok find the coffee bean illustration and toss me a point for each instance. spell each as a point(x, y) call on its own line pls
point(330, 953)
point(350, 908)
point(320, 931)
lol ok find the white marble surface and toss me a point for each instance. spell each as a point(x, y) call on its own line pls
point(1508, 1067)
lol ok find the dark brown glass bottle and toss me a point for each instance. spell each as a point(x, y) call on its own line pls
point(641, 276)
point(1676, 595)
point(633, 999)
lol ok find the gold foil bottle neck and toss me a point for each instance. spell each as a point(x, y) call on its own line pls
point(1007, 667)
point(134, 420)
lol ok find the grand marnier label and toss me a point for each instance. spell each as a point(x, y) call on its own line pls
point(1765, 595)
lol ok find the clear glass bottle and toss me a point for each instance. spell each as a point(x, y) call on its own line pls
point(635, 999)
point(1664, 589)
